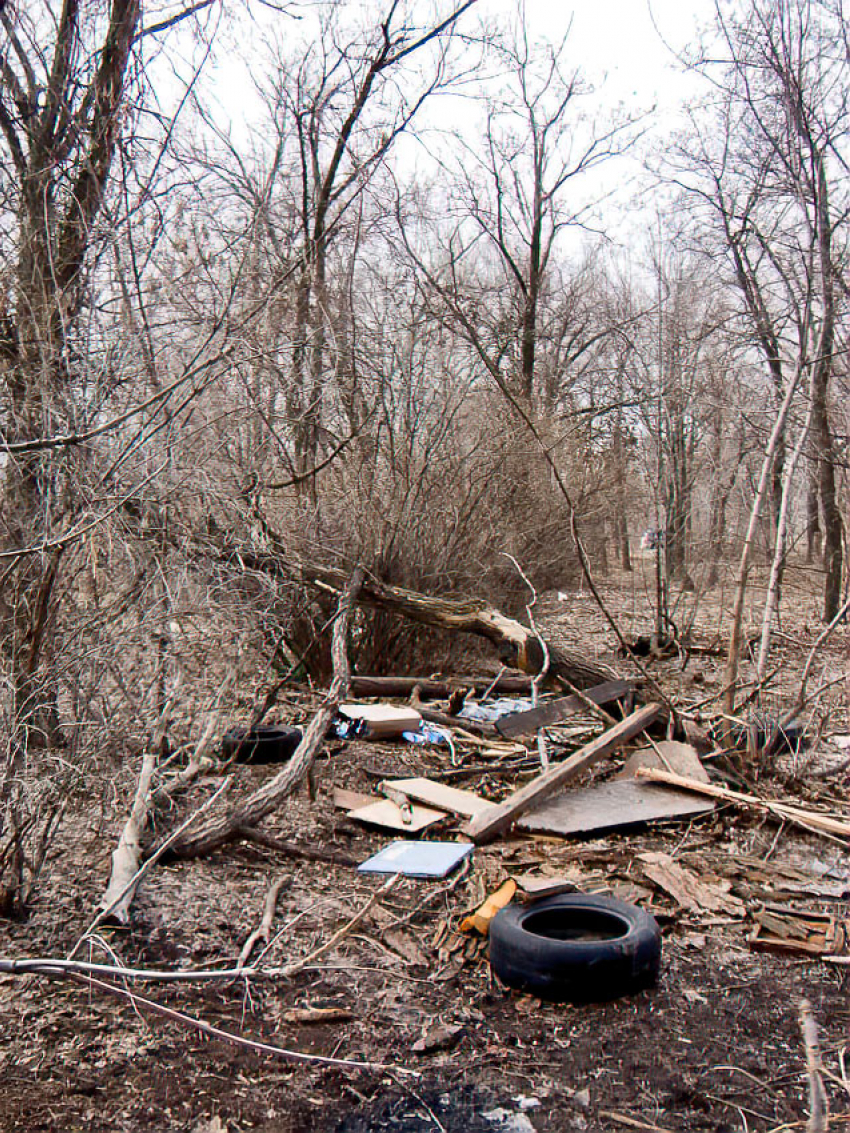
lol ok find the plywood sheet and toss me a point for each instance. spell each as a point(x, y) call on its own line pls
point(620, 802)
point(387, 814)
point(667, 755)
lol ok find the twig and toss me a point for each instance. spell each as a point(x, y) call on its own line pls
point(292, 850)
point(818, 1101)
point(801, 700)
point(264, 929)
point(228, 1036)
point(346, 930)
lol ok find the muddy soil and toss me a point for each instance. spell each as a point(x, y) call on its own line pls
point(715, 1047)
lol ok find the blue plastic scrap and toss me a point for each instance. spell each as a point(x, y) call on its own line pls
point(418, 859)
point(495, 709)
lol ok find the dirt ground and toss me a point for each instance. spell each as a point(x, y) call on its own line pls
point(715, 1047)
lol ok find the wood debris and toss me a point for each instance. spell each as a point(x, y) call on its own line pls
point(436, 795)
point(780, 928)
point(499, 817)
point(689, 890)
point(808, 819)
point(479, 921)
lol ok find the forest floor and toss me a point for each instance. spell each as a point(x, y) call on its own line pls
point(716, 1046)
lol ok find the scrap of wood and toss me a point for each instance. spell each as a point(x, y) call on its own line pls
point(623, 801)
point(687, 889)
point(317, 1015)
point(344, 799)
point(631, 1122)
point(438, 795)
point(479, 921)
point(386, 813)
point(500, 816)
point(553, 711)
point(811, 820)
point(533, 886)
point(606, 806)
point(668, 755)
point(779, 928)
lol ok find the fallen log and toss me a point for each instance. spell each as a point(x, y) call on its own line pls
point(432, 689)
point(500, 816)
point(517, 645)
point(227, 827)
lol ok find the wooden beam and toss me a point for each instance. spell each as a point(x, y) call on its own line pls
point(500, 816)
point(526, 723)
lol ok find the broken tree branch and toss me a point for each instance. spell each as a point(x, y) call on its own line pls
point(225, 828)
point(123, 879)
point(264, 930)
point(818, 1101)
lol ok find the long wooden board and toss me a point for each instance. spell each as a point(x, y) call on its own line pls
point(499, 817)
point(553, 711)
point(437, 795)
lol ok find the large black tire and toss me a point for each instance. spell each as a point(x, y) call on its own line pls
point(575, 948)
point(262, 744)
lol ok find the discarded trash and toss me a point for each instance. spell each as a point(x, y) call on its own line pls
point(519, 723)
point(382, 720)
point(418, 859)
point(435, 794)
point(427, 734)
point(624, 800)
point(480, 920)
point(261, 744)
point(387, 813)
point(494, 709)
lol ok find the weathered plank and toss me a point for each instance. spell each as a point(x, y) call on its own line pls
point(553, 711)
point(437, 795)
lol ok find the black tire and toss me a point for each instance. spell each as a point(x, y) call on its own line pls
point(262, 744)
point(575, 948)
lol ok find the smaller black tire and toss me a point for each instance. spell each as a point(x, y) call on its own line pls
point(575, 948)
point(262, 744)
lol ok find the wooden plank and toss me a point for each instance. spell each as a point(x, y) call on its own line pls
point(619, 802)
point(553, 711)
point(500, 816)
point(808, 819)
point(437, 795)
point(408, 820)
